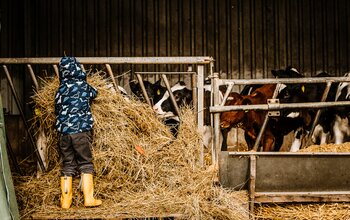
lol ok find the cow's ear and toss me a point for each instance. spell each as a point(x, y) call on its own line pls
point(274, 73)
point(182, 83)
point(177, 97)
point(132, 84)
point(158, 82)
point(246, 101)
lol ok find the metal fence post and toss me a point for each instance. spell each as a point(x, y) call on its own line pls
point(216, 138)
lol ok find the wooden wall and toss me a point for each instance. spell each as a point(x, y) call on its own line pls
point(247, 38)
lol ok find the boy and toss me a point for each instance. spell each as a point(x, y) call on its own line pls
point(74, 123)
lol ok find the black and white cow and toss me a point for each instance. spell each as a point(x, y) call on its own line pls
point(333, 121)
point(336, 119)
point(183, 96)
point(155, 91)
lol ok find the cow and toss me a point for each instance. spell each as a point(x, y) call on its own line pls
point(275, 125)
point(250, 121)
point(183, 96)
point(155, 91)
point(333, 121)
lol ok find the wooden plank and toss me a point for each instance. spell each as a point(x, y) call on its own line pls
point(115, 217)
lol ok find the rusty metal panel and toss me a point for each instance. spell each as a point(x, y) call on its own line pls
point(288, 172)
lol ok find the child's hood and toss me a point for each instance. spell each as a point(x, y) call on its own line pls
point(70, 68)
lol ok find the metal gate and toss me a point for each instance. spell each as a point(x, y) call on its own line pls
point(202, 63)
point(282, 176)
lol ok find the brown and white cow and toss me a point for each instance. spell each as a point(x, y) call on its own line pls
point(250, 121)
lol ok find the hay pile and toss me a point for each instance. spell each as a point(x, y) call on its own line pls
point(344, 147)
point(166, 179)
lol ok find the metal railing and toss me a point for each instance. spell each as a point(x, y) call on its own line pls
point(198, 82)
point(272, 177)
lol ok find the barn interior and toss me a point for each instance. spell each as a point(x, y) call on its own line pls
point(247, 39)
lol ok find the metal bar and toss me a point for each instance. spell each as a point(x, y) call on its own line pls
point(252, 179)
point(113, 60)
point(32, 75)
point(227, 93)
point(266, 120)
point(139, 78)
point(14, 93)
point(317, 116)
point(167, 73)
point(194, 93)
point(171, 95)
point(283, 80)
point(297, 154)
point(110, 73)
point(200, 86)
point(200, 106)
point(56, 70)
point(216, 138)
point(215, 109)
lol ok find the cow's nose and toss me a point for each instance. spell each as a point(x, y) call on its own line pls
point(224, 124)
point(155, 108)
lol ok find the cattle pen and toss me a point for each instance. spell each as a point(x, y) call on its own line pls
point(282, 177)
point(203, 65)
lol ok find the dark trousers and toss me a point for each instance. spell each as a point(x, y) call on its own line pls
point(76, 153)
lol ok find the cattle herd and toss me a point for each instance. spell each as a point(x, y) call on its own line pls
point(332, 125)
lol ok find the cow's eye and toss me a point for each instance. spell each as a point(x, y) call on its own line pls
point(158, 92)
point(286, 94)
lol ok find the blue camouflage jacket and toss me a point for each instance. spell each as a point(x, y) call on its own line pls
point(73, 97)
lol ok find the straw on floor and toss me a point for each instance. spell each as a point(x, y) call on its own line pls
point(141, 170)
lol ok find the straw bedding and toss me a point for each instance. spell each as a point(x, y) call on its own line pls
point(140, 169)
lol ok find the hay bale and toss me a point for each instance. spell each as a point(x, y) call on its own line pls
point(166, 179)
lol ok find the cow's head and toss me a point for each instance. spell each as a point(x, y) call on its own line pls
point(164, 107)
point(289, 72)
point(235, 118)
point(154, 91)
point(232, 118)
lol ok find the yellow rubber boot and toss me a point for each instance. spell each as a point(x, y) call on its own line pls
point(66, 190)
point(88, 191)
